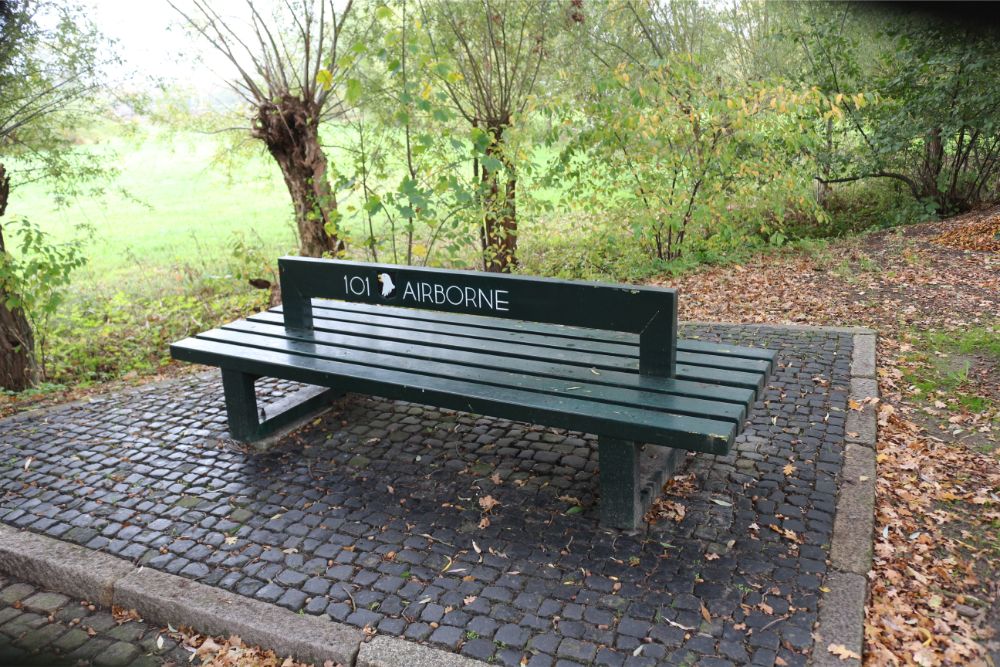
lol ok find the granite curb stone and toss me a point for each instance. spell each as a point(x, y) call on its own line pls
point(168, 598)
point(844, 594)
point(66, 568)
point(851, 547)
point(164, 599)
point(841, 619)
point(861, 424)
point(863, 356)
point(383, 651)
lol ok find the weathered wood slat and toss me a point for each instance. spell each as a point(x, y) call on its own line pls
point(445, 325)
point(705, 357)
point(546, 368)
point(693, 433)
point(380, 358)
point(745, 373)
point(541, 328)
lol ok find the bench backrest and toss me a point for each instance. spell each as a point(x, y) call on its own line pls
point(650, 312)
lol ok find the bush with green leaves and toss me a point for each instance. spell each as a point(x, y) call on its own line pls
point(34, 277)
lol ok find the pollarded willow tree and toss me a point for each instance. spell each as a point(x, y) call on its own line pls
point(294, 68)
point(494, 51)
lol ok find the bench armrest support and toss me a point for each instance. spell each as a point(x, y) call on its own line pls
point(658, 344)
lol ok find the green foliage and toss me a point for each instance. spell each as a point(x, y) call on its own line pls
point(108, 331)
point(404, 159)
point(33, 277)
point(663, 147)
point(52, 62)
point(113, 334)
point(934, 125)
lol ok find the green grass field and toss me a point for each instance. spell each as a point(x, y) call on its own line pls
point(169, 205)
point(174, 206)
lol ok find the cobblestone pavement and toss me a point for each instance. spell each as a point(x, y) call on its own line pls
point(371, 516)
point(47, 629)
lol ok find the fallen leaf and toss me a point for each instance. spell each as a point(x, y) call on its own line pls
point(842, 652)
point(488, 503)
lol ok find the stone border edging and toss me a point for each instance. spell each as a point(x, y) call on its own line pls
point(842, 604)
point(168, 599)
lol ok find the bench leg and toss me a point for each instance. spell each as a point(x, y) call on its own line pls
point(621, 502)
point(250, 423)
point(241, 404)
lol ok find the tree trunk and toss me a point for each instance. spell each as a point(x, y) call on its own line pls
point(17, 343)
point(499, 236)
point(290, 130)
point(933, 162)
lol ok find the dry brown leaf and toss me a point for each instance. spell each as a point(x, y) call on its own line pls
point(842, 652)
point(488, 503)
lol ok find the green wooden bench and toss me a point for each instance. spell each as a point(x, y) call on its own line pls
point(599, 358)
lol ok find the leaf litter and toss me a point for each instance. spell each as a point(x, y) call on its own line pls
point(937, 536)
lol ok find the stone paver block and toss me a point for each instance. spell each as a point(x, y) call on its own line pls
point(73, 638)
point(118, 654)
point(16, 592)
point(45, 602)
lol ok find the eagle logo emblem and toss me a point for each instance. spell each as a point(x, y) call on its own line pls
point(388, 287)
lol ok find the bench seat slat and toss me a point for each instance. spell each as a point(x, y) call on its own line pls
point(378, 358)
point(705, 357)
point(485, 359)
point(751, 379)
point(643, 425)
point(614, 337)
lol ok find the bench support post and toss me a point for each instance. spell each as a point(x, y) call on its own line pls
point(248, 423)
point(241, 404)
point(621, 501)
